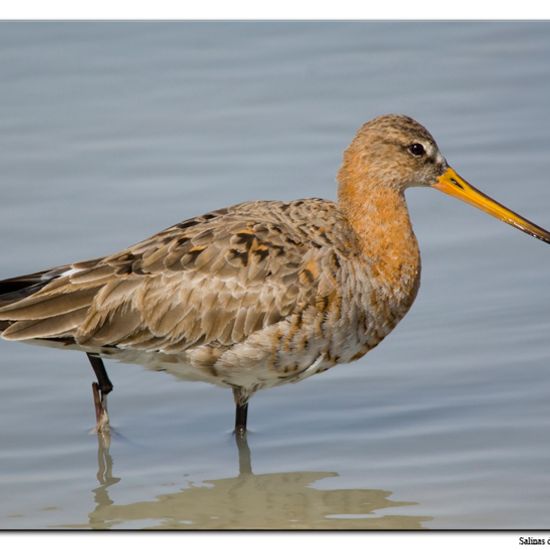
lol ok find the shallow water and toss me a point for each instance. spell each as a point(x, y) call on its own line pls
point(110, 132)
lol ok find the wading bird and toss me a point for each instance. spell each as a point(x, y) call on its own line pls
point(258, 294)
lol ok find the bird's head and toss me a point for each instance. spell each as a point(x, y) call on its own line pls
point(395, 152)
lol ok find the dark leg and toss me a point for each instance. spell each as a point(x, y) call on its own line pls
point(100, 389)
point(103, 381)
point(241, 411)
point(240, 418)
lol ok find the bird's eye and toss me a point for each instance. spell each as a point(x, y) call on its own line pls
point(417, 149)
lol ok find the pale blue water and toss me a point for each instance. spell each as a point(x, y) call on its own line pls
point(110, 132)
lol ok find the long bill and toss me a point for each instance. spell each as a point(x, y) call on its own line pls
point(452, 184)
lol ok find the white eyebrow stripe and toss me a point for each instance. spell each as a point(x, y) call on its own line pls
point(430, 149)
point(440, 159)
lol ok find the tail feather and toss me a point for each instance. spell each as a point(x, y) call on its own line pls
point(43, 305)
point(80, 302)
point(18, 288)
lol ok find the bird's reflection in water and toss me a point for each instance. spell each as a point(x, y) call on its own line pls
point(249, 501)
point(104, 475)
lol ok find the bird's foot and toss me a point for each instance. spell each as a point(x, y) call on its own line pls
point(101, 413)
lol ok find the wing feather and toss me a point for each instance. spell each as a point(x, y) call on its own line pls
point(212, 279)
point(56, 326)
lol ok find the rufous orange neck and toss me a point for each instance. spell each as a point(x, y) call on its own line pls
point(378, 213)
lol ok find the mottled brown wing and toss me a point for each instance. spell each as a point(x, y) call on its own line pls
point(216, 278)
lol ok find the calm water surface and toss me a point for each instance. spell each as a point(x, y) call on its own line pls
point(111, 132)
